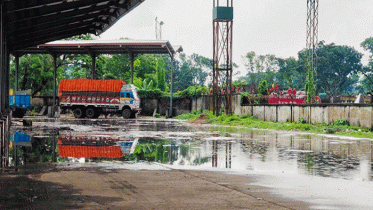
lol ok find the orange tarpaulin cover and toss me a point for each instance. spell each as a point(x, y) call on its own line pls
point(90, 151)
point(111, 85)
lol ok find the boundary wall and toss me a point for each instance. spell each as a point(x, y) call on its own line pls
point(356, 114)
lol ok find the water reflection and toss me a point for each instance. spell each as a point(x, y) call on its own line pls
point(94, 146)
point(175, 144)
point(26, 149)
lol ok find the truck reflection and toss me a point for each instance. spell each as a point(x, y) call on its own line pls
point(95, 146)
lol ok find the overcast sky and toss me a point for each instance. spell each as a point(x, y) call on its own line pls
point(275, 27)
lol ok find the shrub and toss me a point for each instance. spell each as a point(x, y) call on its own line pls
point(302, 120)
point(341, 122)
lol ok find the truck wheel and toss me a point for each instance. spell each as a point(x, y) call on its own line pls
point(79, 113)
point(91, 112)
point(18, 113)
point(126, 113)
point(97, 115)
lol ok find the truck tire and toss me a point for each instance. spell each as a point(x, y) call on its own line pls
point(79, 113)
point(126, 113)
point(18, 113)
point(91, 112)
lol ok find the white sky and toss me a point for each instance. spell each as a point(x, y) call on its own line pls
point(264, 26)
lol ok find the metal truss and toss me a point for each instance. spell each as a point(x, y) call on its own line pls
point(222, 62)
point(312, 33)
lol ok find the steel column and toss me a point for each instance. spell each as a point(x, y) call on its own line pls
point(2, 89)
point(132, 58)
point(312, 38)
point(54, 84)
point(2, 61)
point(222, 57)
point(16, 71)
point(4, 93)
point(93, 67)
point(172, 84)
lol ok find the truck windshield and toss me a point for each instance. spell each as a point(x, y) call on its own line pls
point(135, 96)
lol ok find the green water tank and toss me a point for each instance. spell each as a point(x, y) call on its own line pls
point(223, 13)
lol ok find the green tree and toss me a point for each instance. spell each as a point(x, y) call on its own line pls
point(263, 87)
point(36, 73)
point(290, 74)
point(367, 71)
point(161, 74)
point(337, 68)
point(261, 67)
point(191, 71)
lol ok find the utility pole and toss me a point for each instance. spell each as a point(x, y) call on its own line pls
point(222, 55)
point(312, 42)
point(158, 29)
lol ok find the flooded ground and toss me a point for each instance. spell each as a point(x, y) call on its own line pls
point(327, 172)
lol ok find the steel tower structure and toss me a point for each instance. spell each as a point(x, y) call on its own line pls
point(222, 55)
point(312, 34)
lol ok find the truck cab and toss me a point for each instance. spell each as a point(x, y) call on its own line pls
point(129, 101)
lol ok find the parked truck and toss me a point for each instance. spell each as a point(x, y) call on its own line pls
point(90, 98)
point(19, 102)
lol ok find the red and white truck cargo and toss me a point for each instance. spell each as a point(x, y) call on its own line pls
point(90, 98)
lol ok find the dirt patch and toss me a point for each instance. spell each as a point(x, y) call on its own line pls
point(201, 119)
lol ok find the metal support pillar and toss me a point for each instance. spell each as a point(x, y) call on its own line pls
point(312, 38)
point(222, 56)
point(16, 62)
point(2, 61)
point(312, 31)
point(132, 58)
point(54, 84)
point(172, 84)
point(93, 67)
point(4, 93)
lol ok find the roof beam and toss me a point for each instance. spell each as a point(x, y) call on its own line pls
point(56, 22)
point(24, 4)
point(57, 15)
point(49, 9)
point(42, 31)
point(62, 35)
point(42, 35)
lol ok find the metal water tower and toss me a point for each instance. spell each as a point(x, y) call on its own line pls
point(312, 39)
point(222, 55)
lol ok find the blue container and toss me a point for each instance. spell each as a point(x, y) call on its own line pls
point(21, 101)
point(21, 137)
point(223, 13)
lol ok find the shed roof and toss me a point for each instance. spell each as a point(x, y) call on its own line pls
point(33, 22)
point(103, 47)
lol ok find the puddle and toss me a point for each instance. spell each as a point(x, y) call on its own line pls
point(171, 142)
point(165, 144)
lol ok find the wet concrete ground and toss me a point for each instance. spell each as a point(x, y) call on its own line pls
point(152, 163)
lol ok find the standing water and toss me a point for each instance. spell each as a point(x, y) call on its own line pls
point(328, 171)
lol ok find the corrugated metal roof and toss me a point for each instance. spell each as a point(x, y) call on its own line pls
point(33, 22)
point(103, 47)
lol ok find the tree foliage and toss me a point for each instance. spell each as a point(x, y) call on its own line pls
point(191, 71)
point(367, 71)
point(337, 70)
point(35, 73)
point(260, 67)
